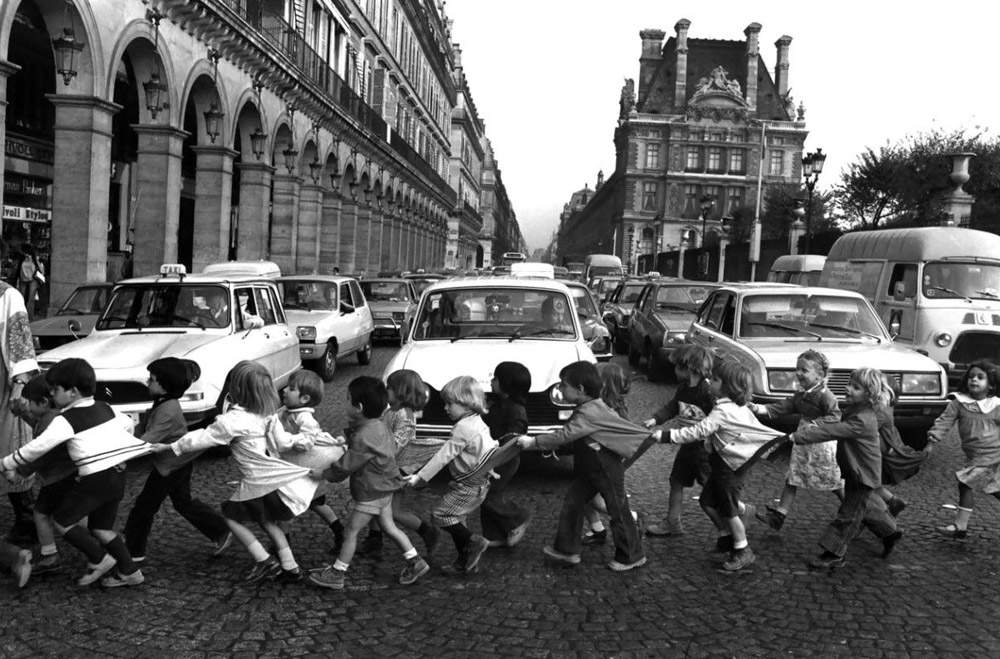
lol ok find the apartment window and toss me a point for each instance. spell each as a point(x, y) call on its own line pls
point(735, 200)
point(714, 192)
point(714, 159)
point(649, 196)
point(693, 162)
point(776, 166)
point(652, 156)
point(737, 165)
point(690, 201)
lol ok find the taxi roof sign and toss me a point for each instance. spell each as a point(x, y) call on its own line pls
point(168, 269)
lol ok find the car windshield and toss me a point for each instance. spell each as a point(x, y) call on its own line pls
point(680, 298)
point(584, 302)
point(85, 300)
point(308, 295)
point(607, 285)
point(385, 291)
point(142, 306)
point(420, 283)
point(789, 316)
point(630, 294)
point(485, 312)
point(962, 280)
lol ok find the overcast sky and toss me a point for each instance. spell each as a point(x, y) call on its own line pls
point(546, 77)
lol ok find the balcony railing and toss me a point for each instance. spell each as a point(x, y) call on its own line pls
point(410, 155)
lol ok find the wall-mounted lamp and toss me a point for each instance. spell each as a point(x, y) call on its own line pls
point(66, 47)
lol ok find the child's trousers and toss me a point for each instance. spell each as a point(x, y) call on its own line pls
point(598, 472)
point(860, 507)
point(499, 514)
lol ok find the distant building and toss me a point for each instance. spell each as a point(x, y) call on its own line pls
point(690, 139)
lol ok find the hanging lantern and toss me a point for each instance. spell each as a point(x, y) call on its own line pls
point(291, 155)
point(66, 47)
point(335, 181)
point(156, 94)
point(213, 119)
point(315, 170)
point(257, 140)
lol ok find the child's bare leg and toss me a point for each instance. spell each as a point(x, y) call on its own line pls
point(717, 519)
point(738, 531)
point(325, 513)
point(281, 548)
point(403, 516)
point(390, 529)
point(46, 534)
point(355, 523)
point(884, 494)
point(598, 505)
point(675, 504)
point(787, 499)
point(248, 540)
point(966, 497)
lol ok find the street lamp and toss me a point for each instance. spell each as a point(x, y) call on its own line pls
point(812, 166)
point(257, 140)
point(707, 201)
point(67, 46)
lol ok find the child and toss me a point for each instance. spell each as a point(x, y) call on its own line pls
point(270, 490)
point(469, 445)
point(99, 442)
point(503, 521)
point(733, 435)
point(692, 401)
point(169, 378)
point(812, 466)
point(976, 410)
point(370, 461)
point(597, 468)
point(302, 394)
point(899, 461)
point(860, 459)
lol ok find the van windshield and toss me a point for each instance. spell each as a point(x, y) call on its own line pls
point(961, 280)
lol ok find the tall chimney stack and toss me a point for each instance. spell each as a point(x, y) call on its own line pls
point(652, 53)
point(753, 52)
point(781, 68)
point(680, 82)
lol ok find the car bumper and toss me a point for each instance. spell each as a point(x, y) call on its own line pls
point(309, 351)
point(907, 414)
point(386, 329)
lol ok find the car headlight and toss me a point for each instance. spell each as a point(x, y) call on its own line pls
point(398, 315)
point(306, 333)
point(556, 396)
point(920, 383)
point(192, 396)
point(943, 340)
point(672, 338)
point(778, 380)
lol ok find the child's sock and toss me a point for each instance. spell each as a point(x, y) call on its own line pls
point(741, 544)
point(119, 551)
point(460, 535)
point(340, 565)
point(962, 516)
point(86, 543)
point(412, 553)
point(49, 550)
point(287, 559)
point(597, 526)
point(257, 551)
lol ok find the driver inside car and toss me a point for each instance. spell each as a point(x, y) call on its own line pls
point(218, 308)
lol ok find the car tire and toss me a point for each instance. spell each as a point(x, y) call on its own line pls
point(365, 354)
point(633, 356)
point(326, 365)
point(652, 364)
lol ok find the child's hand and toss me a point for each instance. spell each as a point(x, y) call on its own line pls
point(339, 440)
point(316, 474)
point(302, 445)
point(649, 423)
point(526, 442)
point(160, 448)
point(412, 480)
point(658, 435)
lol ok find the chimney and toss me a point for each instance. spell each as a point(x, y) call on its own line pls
point(680, 81)
point(652, 53)
point(753, 53)
point(781, 68)
point(456, 55)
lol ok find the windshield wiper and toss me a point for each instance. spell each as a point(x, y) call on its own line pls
point(848, 330)
point(988, 293)
point(948, 291)
point(539, 332)
point(787, 328)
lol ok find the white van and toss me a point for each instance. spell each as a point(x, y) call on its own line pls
point(602, 265)
point(803, 269)
point(937, 289)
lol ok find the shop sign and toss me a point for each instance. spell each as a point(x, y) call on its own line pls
point(23, 214)
point(18, 148)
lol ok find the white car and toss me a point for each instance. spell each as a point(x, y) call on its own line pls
point(468, 326)
point(331, 318)
point(214, 320)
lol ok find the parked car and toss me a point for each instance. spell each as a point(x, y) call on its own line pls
point(75, 318)
point(602, 286)
point(468, 326)
point(422, 280)
point(766, 328)
point(214, 320)
point(331, 318)
point(660, 320)
point(595, 332)
point(393, 301)
point(617, 308)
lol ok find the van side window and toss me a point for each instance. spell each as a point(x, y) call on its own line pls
point(904, 278)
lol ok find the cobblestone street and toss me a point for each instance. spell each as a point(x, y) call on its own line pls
point(934, 596)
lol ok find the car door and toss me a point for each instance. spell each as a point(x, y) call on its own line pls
point(366, 324)
point(715, 323)
point(348, 324)
point(640, 322)
point(290, 359)
point(275, 334)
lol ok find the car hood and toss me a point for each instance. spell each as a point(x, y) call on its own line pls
point(108, 351)
point(58, 325)
point(843, 355)
point(437, 364)
point(386, 307)
point(298, 317)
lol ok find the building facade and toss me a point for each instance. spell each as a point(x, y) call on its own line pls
point(500, 232)
point(315, 133)
point(706, 129)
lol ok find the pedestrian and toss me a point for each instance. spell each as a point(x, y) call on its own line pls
point(55, 471)
point(975, 408)
point(301, 395)
point(30, 277)
point(169, 378)
point(812, 466)
point(370, 463)
point(99, 441)
point(692, 402)
point(732, 436)
point(860, 459)
point(269, 490)
point(468, 446)
point(503, 520)
point(601, 440)
point(407, 396)
point(899, 461)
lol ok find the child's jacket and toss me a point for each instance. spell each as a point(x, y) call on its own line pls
point(595, 420)
point(859, 453)
point(370, 461)
point(730, 430)
point(468, 446)
point(978, 428)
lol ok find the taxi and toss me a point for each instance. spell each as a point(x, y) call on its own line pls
point(468, 326)
point(215, 320)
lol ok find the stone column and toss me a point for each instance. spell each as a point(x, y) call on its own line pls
point(404, 241)
point(212, 204)
point(158, 198)
point(361, 236)
point(329, 234)
point(388, 232)
point(284, 218)
point(375, 241)
point(308, 240)
point(255, 207)
point(80, 192)
point(348, 232)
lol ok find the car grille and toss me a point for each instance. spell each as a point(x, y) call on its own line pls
point(836, 381)
point(540, 410)
point(120, 393)
point(969, 347)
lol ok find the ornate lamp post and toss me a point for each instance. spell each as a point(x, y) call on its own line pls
point(812, 167)
point(706, 201)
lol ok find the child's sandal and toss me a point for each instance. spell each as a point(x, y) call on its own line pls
point(953, 531)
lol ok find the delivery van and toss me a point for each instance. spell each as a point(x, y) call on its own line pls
point(602, 265)
point(802, 269)
point(937, 289)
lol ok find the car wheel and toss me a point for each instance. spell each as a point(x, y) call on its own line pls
point(652, 364)
point(633, 356)
point(365, 354)
point(327, 365)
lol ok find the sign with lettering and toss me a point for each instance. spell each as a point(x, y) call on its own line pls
point(23, 214)
point(21, 148)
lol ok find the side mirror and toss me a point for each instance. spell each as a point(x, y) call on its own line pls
point(346, 308)
point(253, 322)
point(74, 327)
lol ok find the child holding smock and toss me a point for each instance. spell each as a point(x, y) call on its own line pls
point(976, 411)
